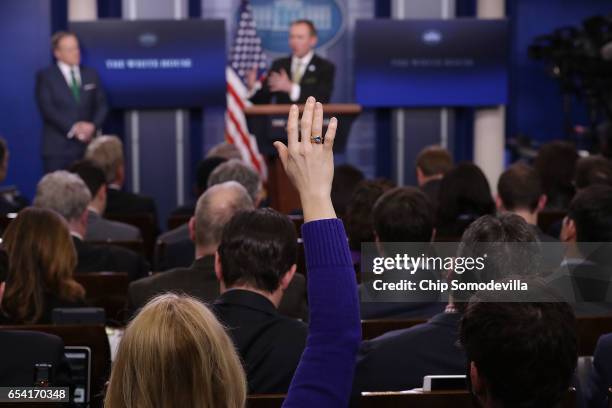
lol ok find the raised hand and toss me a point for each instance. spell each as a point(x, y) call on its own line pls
point(309, 160)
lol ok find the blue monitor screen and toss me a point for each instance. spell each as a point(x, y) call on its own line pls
point(157, 63)
point(421, 63)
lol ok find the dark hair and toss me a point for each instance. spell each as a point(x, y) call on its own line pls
point(495, 237)
point(309, 23)
point(92, 175)
point(593, 170)
point(57, 37)
point(3, 149)
point(358, 219)
point(520, 187)
point(403, 214)
point(525, 352)
point(434, 160)
point(464, 196)
point(591, 211)
point(257, 248)
point(204, 169)
point(555, 163)
point(346, 178)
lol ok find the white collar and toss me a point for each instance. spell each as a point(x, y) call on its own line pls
point(305, 60)
point(65, 68)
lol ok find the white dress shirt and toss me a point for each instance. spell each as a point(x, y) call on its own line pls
point(65, 68)
point(303, 62)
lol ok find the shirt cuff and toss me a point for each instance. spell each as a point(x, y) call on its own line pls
point(71, 133)
point(294, 95)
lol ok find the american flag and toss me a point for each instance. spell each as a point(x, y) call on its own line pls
point(245, 53)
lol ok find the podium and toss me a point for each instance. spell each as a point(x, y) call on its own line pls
point(269, 122)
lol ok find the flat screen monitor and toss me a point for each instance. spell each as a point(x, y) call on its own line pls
point(428, 63)
point(157, 63)
point(79, 360)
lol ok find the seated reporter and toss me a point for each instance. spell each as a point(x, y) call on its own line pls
point(255, 264)
point(41, 263)
point(152, 369)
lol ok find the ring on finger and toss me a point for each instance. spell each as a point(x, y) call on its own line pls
point(316, 139)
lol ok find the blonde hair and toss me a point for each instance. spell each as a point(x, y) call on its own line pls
point(106, 152)
point(175, 353)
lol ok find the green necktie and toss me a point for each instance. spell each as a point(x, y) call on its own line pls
point(74, 86)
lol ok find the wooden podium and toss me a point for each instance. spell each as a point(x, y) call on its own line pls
point(269, 122)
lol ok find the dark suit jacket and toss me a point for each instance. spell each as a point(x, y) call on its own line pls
point(60, 110)
point(101, 229)
point(21, 350)
point(108, 258)
point(601, 375)
point(399, 360)
point(199, 280)
point(270, 345)
point(317, 81)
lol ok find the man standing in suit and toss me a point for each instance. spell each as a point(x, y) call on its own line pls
point(255, 263)
point(72, 104)
point(295, 78)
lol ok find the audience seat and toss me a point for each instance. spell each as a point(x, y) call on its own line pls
point(93, 337)
point(375, 327)
point(589, 330)
point(107, 290)
point(435, 399)
point(136, 246)
point(145, 222)
point(265, 401)
point(177, 220)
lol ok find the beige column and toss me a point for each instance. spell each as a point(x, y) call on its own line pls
point(489, 123)
point(82, 10)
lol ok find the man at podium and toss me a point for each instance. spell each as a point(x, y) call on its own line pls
point(293, 79)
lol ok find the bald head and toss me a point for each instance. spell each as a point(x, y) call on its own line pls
point(215, 208)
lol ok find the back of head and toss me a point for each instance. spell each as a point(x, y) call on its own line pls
point(204, 169)
point(434, 160)
point(257, 249)
point(41, 258)
point(464, 195)
point(224, 150)
point(64, 193)
point(524, 353)
point(346, 178)
point(508, 243)
point(176, 354)
point(358, 219)
point(403, 214)
point(593, 170)
point(215, 208)
point(236, 170)
point(91, 174)
point(555, 163)
point(520, 188)
point(107, 153)
point(591, 211)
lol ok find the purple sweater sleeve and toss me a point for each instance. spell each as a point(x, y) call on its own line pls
point(324, 375)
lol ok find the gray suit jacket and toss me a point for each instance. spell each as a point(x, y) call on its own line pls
point(101, 229)
point(199, 281)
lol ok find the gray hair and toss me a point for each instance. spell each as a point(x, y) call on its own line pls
point(216, 207)
point(106, 152)
point(235, 170)
point(224, 150)
point(63, 192)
